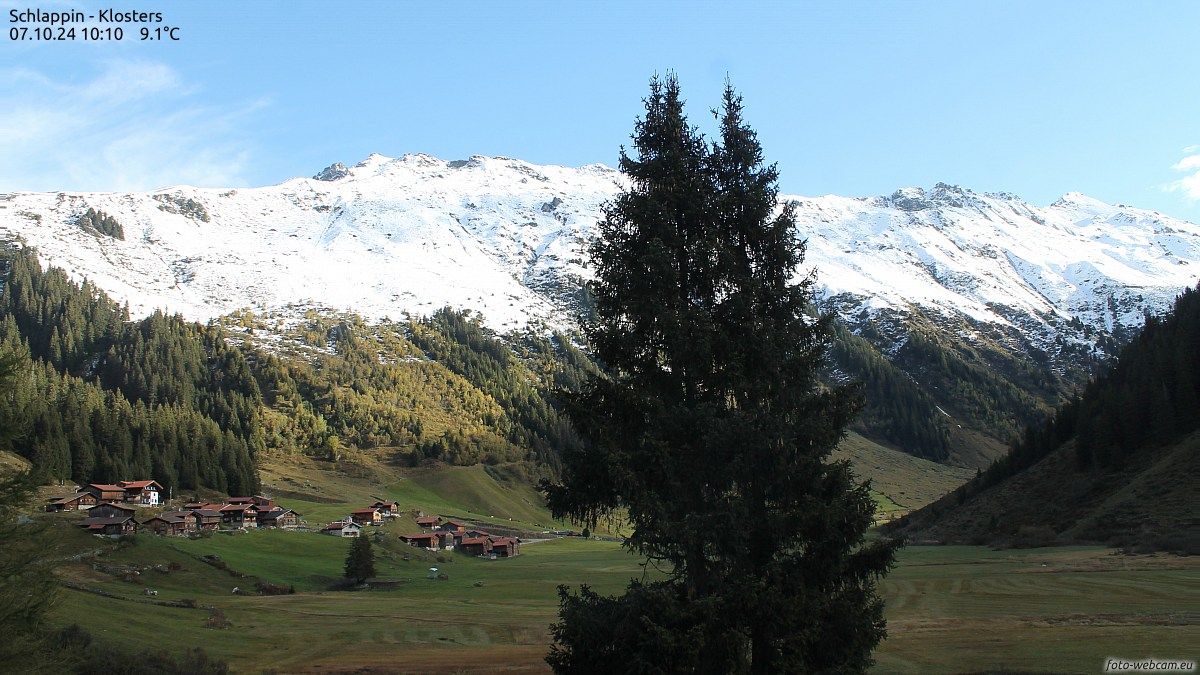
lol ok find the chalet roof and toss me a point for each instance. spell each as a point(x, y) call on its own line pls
point(121, 507)
point(105, 487)
point(94, 523)
point(475, 540)
point(503, 541)
point(138, 484)
point(428, 520)
point(236, 507)
point(275, 515)
point(168, 518)
point(380, 502)
point(424, 535)
point(363, 511)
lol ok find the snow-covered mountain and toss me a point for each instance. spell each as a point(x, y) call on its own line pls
point(505, 237)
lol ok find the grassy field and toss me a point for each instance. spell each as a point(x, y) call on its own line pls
point(950, 609)
point(323, 492)
point(900, 482)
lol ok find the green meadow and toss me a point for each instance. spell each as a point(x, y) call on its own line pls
point(950, 609)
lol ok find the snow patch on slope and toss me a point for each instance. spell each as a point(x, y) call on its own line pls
point(504, 237)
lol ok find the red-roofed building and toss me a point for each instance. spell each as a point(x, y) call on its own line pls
point(237, 514)
point(368, 516)
point(104, 492)
point(506, 547)
point(142, 492)
point(386, 508)
point(475, 545)
point(428, 521)
point(452, 526)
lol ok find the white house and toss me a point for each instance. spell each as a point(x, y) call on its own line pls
point(343, 528)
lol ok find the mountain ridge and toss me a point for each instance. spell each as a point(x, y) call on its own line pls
point(518, 229)
point(995, 308)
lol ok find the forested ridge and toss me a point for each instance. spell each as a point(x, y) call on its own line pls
point(1109, 463)
point(102, 398)
point(438, 388)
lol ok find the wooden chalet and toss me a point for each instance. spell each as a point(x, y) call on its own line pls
point(263, 503)
point(104, 492)
point(110, 511)
point(343, 528)
point(428, 521)
point(168, 524)
point(506, 547)
point(428, 540)
point(110, 525)
point(285, 518)
point(137, 492)
point(475, 545)
point(238, 514)
point(368, 516)
point(206, 519)
point(190, 522)
point(77, 502)
point(452, 526)
point(446, 540)
point(142, 492)
point(386, 508)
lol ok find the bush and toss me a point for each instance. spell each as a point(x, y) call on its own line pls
point(267, 588)
point(217, 619)
point(72, 637)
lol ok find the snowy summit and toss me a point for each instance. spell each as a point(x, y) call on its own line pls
point(506, 238)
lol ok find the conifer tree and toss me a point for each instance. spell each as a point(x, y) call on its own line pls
point(360, 560)
point(710, 428)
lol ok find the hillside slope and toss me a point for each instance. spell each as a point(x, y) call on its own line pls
point(972, 314)
point(1120, 464)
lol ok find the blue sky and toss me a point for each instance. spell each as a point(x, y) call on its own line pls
point(851, 98)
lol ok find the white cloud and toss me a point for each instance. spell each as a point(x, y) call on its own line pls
point(1189, 185)
point(136, 125)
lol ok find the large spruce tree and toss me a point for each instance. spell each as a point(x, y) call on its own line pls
point(710, 429)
